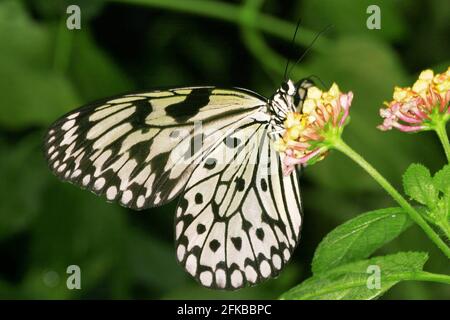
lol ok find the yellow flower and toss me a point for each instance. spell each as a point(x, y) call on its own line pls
point(314, 93)
point(401, 94)
point(426, 75)
point(442, 81)
point(308, 106)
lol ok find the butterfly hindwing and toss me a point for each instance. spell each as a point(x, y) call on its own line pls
point(140, 149)
point(239, 218)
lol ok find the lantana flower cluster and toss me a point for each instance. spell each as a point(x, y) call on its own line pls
point(412, 108)
point(307, 133)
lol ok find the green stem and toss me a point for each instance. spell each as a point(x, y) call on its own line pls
point(413, 214)
point(442, 134)
point(232, 13)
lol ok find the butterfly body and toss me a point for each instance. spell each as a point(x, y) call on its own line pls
point(238, 218)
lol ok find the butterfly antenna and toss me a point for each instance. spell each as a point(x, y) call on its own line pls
point(291, 47)
point(310, 46)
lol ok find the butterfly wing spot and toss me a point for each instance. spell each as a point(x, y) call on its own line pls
point(198, 198)
point(263, 185)
point(86, 179)
point(201, 228)
point(251, 274)
point(265, 269)
point(69, 136)
point(62, 167)
point(214, 245)
point(70, 117)
point(127, 196)
point(76, 173)
point(191, 264)
point(99, 183)
point(221, 278)
point(276, 261)
point(260, 234)
point(236, 279)
point(67, 125)
point(210, 163)
point(179, 229)
point(286, 254)
point(206, 278)
point(111, 193)
point(181, 250)
point(140, 201)
point(240, 184)
point(237, 242)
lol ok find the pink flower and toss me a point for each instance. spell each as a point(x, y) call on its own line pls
point(411, 108)
point(306, 137)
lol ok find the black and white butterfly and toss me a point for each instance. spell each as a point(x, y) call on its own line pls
point(238, 218)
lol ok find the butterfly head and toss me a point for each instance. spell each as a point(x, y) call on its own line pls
point(293, 93)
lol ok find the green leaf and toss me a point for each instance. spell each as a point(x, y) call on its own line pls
point(359, 237)
point(441, 179)
point(352, 281)
point(418, 185)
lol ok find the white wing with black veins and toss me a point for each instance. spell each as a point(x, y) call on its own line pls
point(140, 149)
point(239, 218)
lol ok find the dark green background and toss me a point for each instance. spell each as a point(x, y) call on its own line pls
point(46, 70)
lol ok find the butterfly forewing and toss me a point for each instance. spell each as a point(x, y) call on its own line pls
point(140, 149)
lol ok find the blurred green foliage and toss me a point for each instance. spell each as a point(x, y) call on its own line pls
point(46, 70)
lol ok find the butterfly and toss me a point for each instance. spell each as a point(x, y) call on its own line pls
point(238, 218)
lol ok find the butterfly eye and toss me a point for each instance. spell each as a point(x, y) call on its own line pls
point(285, 87)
